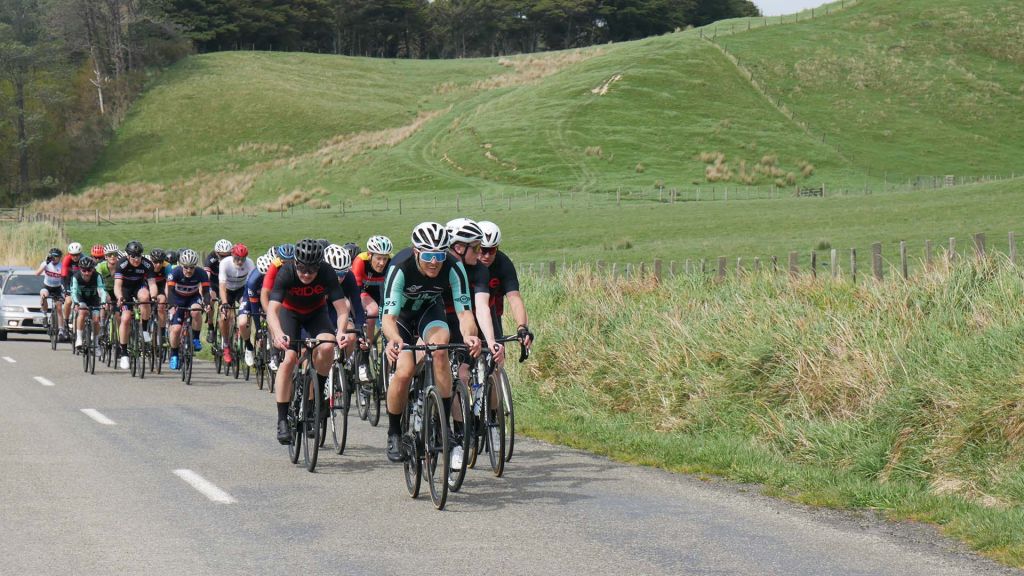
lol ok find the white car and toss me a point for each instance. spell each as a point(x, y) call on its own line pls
point(19, 303)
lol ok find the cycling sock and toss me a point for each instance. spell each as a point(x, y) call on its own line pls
point(394, 423)
point(195, 334)
point(320, 379)
point(282, 410)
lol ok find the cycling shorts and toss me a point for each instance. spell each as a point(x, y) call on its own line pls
point(314, 323)
point(55, 292)
point(185, 307)
point(412, 325)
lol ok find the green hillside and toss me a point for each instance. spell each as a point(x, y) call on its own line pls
point(898, 90)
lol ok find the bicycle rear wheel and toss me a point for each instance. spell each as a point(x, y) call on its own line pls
point(493, 416)
point(461, 407)
point(436, 450)
point(505, 387)
point(339, 400)
point(54, 328)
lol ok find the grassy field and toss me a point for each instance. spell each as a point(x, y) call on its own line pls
point(26, 244)
point(905, 398)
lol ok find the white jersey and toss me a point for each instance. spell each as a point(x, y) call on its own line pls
point(232, 276)
point(51, 274)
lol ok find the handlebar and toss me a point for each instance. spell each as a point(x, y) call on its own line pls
point(524, 352)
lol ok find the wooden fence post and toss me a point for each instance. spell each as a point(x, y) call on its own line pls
point(903, 258)
point(833, 257)
point(657, 269)
point(928, 254)
point(703, 266)
point(951, 254)
point(979, 246)
point(757, 264)
point(721, 267)
point(814, 264)
point(643, 270)
point(775, 264)
point(876, 261)
point(739, 266)
point(689, 267)
point(615, 269)
point(552, 268)
point(853, 265)
point(793, 257)
point(672, 268)
point(1013, 249)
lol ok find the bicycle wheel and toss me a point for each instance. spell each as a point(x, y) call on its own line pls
point(381, 377)
point(91, 348)
point(295, 417)
point(493, 416)
point(435, 448)
point(311, 448)
point(412, 466)
point(86, 334)
point(133, 349)
point(142, 350)
point(187, 352)
point(261, 365)
point(461, 406)
point(54, 328)
point(510, 412)
point(160, 352)
point(339, 402)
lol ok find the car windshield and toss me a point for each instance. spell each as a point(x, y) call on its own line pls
point(23, 285)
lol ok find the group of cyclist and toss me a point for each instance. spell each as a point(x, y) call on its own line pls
point(449, 286)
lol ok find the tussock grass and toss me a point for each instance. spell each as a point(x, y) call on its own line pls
point(26, 244)
point(906, 397)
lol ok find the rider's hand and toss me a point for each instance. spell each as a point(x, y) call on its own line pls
point(345, 339)
point(394, 349)
point(525, 336)
point(364, 344)
point(499, 352)
point(474, 346)
point(281, 341)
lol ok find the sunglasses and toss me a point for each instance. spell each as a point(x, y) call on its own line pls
point(303, 269)
point(429, 257)
point(489, 251)
point(188, 268)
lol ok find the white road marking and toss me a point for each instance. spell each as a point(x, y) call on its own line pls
point(95, 415)
point(43, 381)
point(204, 486)
point(11, 360)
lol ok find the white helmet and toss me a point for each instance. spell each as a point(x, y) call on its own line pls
point(379, 245)
point(492, 234)
point(111, 249)
point(430, 236)
point(189, 258)
point(338, 258)
point(223, 246)
point(263, 263)
point(74, 248)
point(464, 230)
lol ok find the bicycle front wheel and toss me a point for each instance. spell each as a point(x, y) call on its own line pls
point(412, 465)
point(510, 412)
point(311, 448)
point(339, 404)
point(296, 419)
point(436, 455)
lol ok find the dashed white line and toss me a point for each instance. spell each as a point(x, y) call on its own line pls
point(204, 486)
point(95, 415)
point(11, 360)
point(43, 381)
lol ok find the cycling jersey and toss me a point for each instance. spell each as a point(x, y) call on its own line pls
point(160, 275)
point(51, 273)
point(478, 278)
point(253, 285)
point(212, 267)
point(103, 271)
point(305, 298)
point(351, 291)
point(272, 270)
point(184, 290)
point(133, 278)
point(408, 289)
point(89, 292)
point(234, 276)
point(503, 279)
point(67, 268)
point(368, 279)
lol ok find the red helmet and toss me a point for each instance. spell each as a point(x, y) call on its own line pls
point(97, 251)
point(239, 251)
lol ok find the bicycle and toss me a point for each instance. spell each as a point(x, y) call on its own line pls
point(53, 324)
point(338, 397)
point(106, 335)
point(304, 408)
point(138, 348)
point(370, 393)
point(424, 438)
point(261, 362)
point(186, 349)
point(89, 341)
point(160, 347)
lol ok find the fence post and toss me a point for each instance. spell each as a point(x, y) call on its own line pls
point(721, 268)
point(399, 206)
point(775, 264)
point(832, 258)
point(600, 267)
point(928, 254)
point(657, 269)
point(552, 268)
point(793, 258)
point(814, 264)
point(951, 255)
point(672, 269)
point(689, 267)
point(979, 246)
point(703, 266)
point(757, 264)
point(1013, 249)
point(876, 260)
point(739, 266)
point(903, 258)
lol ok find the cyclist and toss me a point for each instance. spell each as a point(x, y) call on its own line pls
point(68, 266)
point(159, 259)
point(105, 270)
point(87, 291)
point(368, 269)
point(278, 256)
point(413, 308)
point(188, 291)
point(504, 283)
point(251, 306)
point(221, 250)
point(52, 286)
point(133, 281)
point(301, 292)
point(97, 253)
point(234, 272)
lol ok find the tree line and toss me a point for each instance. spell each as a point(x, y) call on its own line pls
point(69, 69)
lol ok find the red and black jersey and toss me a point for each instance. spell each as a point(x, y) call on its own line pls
point(68, 267)
point(503, 279)
point(306, 298)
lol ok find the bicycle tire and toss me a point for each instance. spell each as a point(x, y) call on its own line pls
point(133, 349)
point(412, 466)
point(510, 412)
point(316, 397)
point(85, 357)
point(53, 329)
point(141, 351)
point(436, 449)
point(460, 403)
point(294, 410)
point(494, 425)
point(339, 409)
point(380, 387)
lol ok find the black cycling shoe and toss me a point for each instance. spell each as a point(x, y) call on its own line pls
point(209, 335)
point(284, 434)
point(394, 449)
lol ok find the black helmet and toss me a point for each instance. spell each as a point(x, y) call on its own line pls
point(308, 252)
point(157, 255)
point(353, 249)
point(172, 257)
point(323, 242)
point(86, 263)
point(134, 248)
point(55, 253)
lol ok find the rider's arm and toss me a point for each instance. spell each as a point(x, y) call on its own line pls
point(118, 291)
point(42, 267)
point(515, 302)
point(351, 290)
point(392, 297)
point(74, 290)
point(482, 311)
point(273, 322)
point(457, 280)
point(222, 279)
point(101, 288)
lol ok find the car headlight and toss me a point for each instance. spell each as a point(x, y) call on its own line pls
point(12, 308)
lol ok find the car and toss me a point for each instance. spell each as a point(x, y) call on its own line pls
point(19, 303)
point(8, 270)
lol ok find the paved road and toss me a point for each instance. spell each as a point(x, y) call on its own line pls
point(81, 497)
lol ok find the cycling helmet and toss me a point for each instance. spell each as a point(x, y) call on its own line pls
point(172, 257)
point(111, 249)
point(96, 251)
point(430, 236)
point(308, 252)
point(286, 251)
point(86, 263)
point(379, 245)
point(222, 246)
point(352, 248)
point(121, 254)
point(464, 230)
point(338, 258)
point(134, 248)
point(55, 253)
point(492, 234)
point(263, 264)
point(188, 257)
point(74, 248)
point(239, 250)
point(157, 255)
point(323, 242)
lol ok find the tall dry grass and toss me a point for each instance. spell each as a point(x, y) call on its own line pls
point(27, 244)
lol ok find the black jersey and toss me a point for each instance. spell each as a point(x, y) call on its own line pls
point(306, 298)
point(408, 289)
point(503, 279)
point(212, 267)
point(133, 276)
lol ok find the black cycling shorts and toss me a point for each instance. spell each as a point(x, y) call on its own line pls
point(413, 325)
point(55, 292)
point(184, 307)
point(314, 323)
point(91, 302)
point(236, 296)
